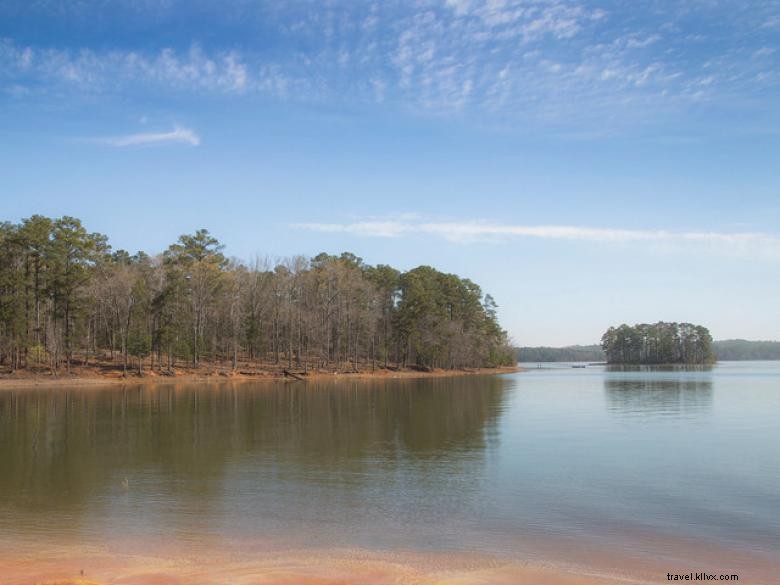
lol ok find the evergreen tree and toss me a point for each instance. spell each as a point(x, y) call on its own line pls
point(65, 295)
point(658, 343)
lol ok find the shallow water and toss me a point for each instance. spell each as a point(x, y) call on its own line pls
point(643, 471)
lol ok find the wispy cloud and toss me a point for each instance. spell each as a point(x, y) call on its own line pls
point(485, 231)
point(104, 70)
point(178, 135)
point(543, 62)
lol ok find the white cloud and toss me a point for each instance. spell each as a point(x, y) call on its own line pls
point(485, 231)
point(507, 62)
point(93, 70)
point(460, 7)
point(178, 135)
point(763, 52)
point(640, 43)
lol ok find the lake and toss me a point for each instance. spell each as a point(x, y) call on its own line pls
point(626, 474)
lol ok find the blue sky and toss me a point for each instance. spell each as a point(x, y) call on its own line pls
point(586, 163)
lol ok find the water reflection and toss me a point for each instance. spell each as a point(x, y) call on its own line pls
point(242, 452)
point(661, 396)
point(659, 368)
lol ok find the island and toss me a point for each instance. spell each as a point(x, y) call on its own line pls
point(658, 343)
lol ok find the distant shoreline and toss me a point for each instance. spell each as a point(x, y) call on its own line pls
point(92, 377)
point(723, 349)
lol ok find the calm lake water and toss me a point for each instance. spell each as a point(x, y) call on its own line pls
point(671, 469)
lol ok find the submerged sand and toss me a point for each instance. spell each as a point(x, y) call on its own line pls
point(74, 566)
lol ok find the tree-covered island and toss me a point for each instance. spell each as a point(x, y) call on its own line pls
point(67, 299)
point(658, 343)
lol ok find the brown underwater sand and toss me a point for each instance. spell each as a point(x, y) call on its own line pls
point(63, 565)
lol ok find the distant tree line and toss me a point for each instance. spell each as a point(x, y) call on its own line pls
point(741, 349)
point(571, 353)
point(726, 349)
point(65, 296)
point(658, 343)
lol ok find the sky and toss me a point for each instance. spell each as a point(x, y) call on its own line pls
point(587, 163)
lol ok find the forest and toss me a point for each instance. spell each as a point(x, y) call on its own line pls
point(742, 349)
point(66, 298)
point(570, 353)
point(724, 350)
point(658, 343)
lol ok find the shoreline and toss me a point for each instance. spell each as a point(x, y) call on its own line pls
point(92, 377)
point(79, 565)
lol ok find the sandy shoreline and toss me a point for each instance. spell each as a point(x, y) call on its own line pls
point(261, 560)
point(70, 565)
point(92, 378)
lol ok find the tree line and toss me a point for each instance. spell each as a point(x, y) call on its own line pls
point(658, 343)
point(741, 349)
point(66, 297)
point(570, 353)
point(725, 349)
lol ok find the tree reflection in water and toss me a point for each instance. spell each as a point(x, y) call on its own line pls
point(249, 454)
point(658, 390)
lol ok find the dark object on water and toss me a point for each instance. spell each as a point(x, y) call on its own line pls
point(582, 366)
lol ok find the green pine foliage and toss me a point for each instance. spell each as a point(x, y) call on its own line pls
point(658, 343)
point(66, 297)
